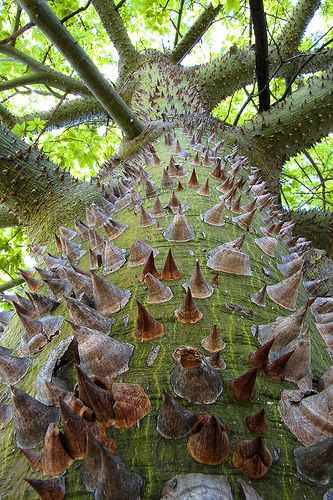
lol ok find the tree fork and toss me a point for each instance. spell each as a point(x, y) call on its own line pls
point(316, 225)
point(45, 19)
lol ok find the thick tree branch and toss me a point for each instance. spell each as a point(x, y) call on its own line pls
point(233, 71)
point(115, 28)
point(7, 219)
point(10, 284)
point(317, 225)
point(260, 31)
point(32, 187)
point(16, 22)
point(40, 13)
point(179, 20)
point(21, 57)
point(301, 67)
point(293, 31)
point(194, 34)
point(53, 77)
point(50, 78)
point(292, 126)
point(72, 113)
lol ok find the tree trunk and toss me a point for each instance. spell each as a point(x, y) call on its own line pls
point(155, 458)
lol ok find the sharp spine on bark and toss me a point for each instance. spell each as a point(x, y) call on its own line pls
point(179, 230)
point(256, 423)
point(48, 489)
point(188, 312)
point(150, 267)
point(139, 252)
point(193, 378)
point(173, 421)
point(252, 458)
point(108, 298)
point(200, 288)
point(87, 316)
point(285, 292)
point(208, 442)
point(243, 387)
point(315, 462)
point(53, 460)
point(259, 297)
point(214, 342)
point(158, 292)
point(147, 328)
point(31, 418)
point(170, 271)
point(100, 355)
point(12, 369)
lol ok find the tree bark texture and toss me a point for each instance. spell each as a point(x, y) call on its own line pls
point(143, 450)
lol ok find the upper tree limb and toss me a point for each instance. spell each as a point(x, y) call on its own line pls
point(58, 81)
point(35, 190)
point(71, 113)
point(293, 31)
point(232, 71)
point(229, 73)
point(7, 117)
point(114, 26)
point(194, 34)
point(289, 127)
point(40, 13)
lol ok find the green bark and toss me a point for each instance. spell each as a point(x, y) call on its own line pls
point(292, 125)
point(143, 450)
point(294, 29)
point(61, 82)
point(7, 219)
point(71, 113)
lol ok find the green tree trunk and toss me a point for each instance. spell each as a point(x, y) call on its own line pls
point(141, 447)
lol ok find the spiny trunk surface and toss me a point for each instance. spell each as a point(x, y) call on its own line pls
point(143, 450)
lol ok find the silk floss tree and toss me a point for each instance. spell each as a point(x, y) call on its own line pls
point(168, 343)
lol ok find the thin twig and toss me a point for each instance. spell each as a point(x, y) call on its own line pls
point(321, 179)
point(27, 26)
point(17, 33)
point(120, 4)
point(49, 120)
point(180, 13)
point(229, 108)
point(16, 23)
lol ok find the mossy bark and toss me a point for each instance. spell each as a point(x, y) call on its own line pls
point(144, 450)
